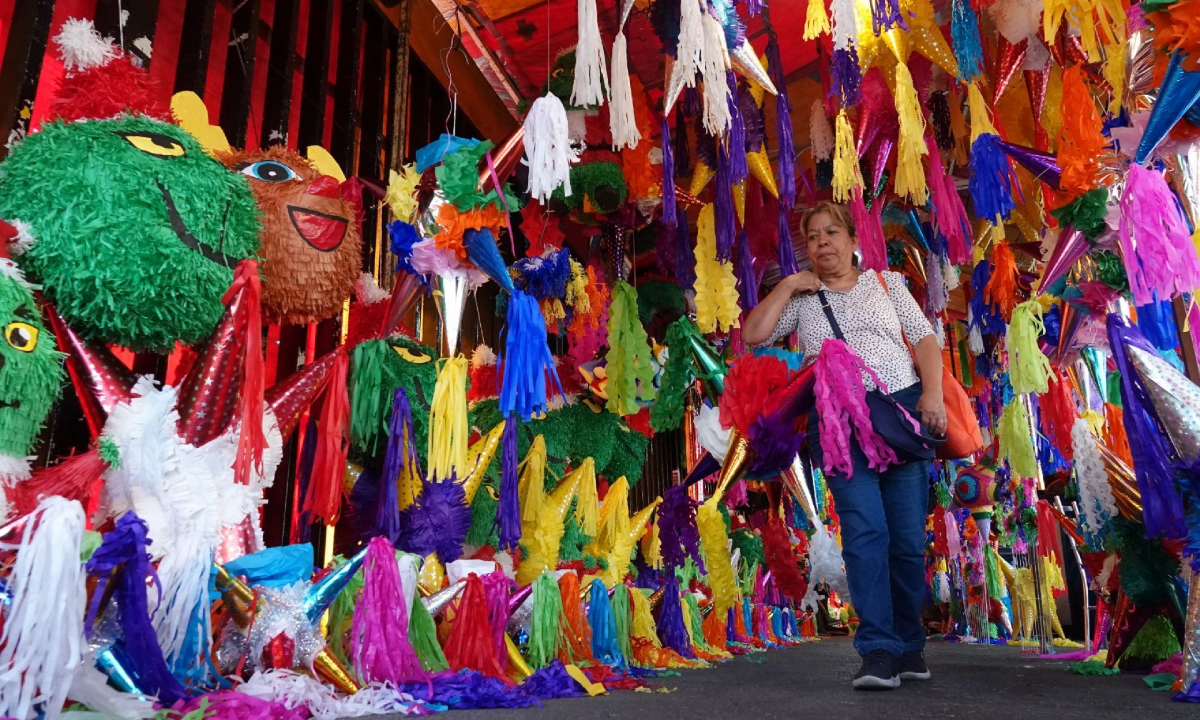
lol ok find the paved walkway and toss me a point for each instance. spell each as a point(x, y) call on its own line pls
point(811, 682)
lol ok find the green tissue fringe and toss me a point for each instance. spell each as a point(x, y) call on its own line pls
point(1146, 569)
point(106, 254)
point(943, 495)
point(110, 453)
point(587, 179)
point(630, 373)
point(91, 543)
point(629, 456)
point(697, 622)
point(659, 296)
point(483, 519)
point(573, 540)
point(991, 573)
point(1086, 213)
point(667, 411)
point(1155, 642)
point(544, 625)
point(1094, 668)
point(370, 415)
point(422, 634)
point(458, 178)
point(623, 619)
point(29, 380)
point(555, 429)
point(1110, 270)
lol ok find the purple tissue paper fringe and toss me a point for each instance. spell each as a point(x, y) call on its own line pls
point(846, 76)
point(736, 139)
point(668, 176)
point(508, 512)
point(723, 210)
point(677, 528)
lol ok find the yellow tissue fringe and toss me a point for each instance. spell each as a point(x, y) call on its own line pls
point(532, 488)
point(614, 517)
point(981, 121)
point(1029, 370)
point(816, 21)
point(652, 548)
point(401, 195)
point(622, 552)
point(543, 537)
point(910, 175)
point(577, 296)
point(717, 560)
point(448, 426)
point(846, 173)
point(716, 285)
point(587, 506)
point(643, 625)
point(1016, 441)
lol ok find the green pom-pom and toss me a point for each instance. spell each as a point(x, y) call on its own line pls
point(136, 229)
point(943, 495)
point(602, 183)
point(110, 453)
point(1155, 642)
point(1085, 213)
point(1111, 271)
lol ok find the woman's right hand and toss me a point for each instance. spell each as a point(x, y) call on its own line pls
point(803, 283)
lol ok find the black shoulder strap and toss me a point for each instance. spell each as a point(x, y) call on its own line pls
point(833, 323)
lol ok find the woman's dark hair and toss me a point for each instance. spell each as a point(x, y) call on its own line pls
point(838, 212)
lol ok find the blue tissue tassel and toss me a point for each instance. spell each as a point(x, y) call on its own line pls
point(400, 435)
point(992, 184)
point(785, 167)
point(508, 511)
point(123, 557)
point(526, 360)
point(747, 278)
point(724, 214)
point(403, 237)
point(1162, 508)
point(968, 51)
point(1157, 322)
point(671, 629)
point(605, 647)
point(668, 176)
point(735, 139)
point(685, 258)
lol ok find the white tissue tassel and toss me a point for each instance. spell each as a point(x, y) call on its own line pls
point(548, 152)
point(621, 119)
point(591, 73)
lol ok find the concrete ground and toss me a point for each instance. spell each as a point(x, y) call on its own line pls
point(811, 682)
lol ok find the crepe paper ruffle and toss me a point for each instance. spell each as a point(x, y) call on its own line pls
point(716, 285)
point(1160, 258)
point(1016, 441)
point(401, 194)
point(749, 385)
point(715, 541)
point(1081, 142)
point(1029, 370)
point(630, 374)
point(842, 402)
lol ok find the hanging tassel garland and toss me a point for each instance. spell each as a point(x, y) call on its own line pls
point(508, 511)
point(622, 123)
point(1096, 502)
point(841, 401)
point(545, 621)
point(1016, 440)
point(715, 542)
point(949, 214)
point(527, 362)
point(1160, 258)
point(820, 132)
point(379, 634)
point(668, 175)
point(716, 286)
point(992, 183)
point(324, 497)
point(1029, 371)
point(715, 66)
point(591, 73)
point(42, 640)
point(448, 427)
point(671, 627)
point(816, 20)
point(910, 175)
point(1058, 411)
point(548, 151)
point(871, 241)
point(846, 173)
point(968, 51)
point(1002, 286)
point(630, 373)
point(786, 164)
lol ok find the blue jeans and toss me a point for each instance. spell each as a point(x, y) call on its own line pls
point(883, 543)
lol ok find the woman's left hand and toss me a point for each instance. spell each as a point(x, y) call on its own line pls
point(932, 409)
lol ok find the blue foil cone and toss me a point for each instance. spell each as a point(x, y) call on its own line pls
point(1180, 90)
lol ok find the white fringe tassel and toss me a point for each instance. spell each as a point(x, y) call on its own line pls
point(548, 152)
point(296, 690)
point(820, 131)
point(41, 645)
point(81, 47)
point(690, 49)
point(717, 119)
point(591, 73)
point(621, 119)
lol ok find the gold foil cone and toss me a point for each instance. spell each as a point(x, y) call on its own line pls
point(1123, 483)
point(701, 176)
point(331, 670)
point(432, 576)
point(518, 669)
point(747, 64)
point(737, 461)
point(760, 168)
point(739, 201)
point(480, 456)
point(236, 595)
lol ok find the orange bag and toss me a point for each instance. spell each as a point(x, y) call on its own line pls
point(963, 436)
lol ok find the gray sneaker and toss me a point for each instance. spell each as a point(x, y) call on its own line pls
point(913, 667)
point(878, 672)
